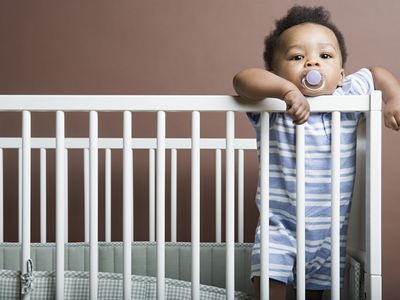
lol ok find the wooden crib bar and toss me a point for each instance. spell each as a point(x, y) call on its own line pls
point(160, 204)
point(26, 191)
point(373, 199)
point(195, 203)
point(1, 197)
point(127, 204)
point(230, 206)
point(264, 205)
point(60, 202)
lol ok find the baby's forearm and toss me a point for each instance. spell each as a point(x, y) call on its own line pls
point(257, 84)
point(386, 82)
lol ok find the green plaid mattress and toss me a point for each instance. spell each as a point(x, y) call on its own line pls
point(177, 260)
point(110, 286)
point(177, 268)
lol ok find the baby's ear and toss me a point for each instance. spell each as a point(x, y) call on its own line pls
point(342, 75)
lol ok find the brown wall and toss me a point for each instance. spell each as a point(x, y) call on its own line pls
point(175, 47)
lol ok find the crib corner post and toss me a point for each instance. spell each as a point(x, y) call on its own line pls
point(373, 267)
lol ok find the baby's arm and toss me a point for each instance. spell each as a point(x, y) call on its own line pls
point(258, 84)
point(390, 87)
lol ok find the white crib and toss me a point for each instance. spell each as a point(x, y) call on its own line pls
point(364, 243)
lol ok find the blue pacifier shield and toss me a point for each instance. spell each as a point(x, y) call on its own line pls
point(313, 77)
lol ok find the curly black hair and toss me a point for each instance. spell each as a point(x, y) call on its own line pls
point(299, 15)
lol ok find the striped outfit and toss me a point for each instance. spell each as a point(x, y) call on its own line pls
point(282, 202)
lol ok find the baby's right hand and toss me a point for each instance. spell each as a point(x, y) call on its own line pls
point(297, 106)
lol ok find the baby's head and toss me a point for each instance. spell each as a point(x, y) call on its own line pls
point(303, 40)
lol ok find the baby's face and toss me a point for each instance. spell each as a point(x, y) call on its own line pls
point(305, 47)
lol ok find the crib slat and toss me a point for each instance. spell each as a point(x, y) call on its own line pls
point(127, 203)
point(19, 195)
point(26, 193)
point(93, 225)
point(66, 195)
point(160, 230)
point(152, 195)
point(335, 219)
point(218, 197)
point(300, 210)
point(240, 196)
point(195, 207)
point(230, 205)
point(60, 203)
point(43, 196)
point(86, 191)
point(174, 175)
point(264, 205)
point(1, 198)
point(108, 195)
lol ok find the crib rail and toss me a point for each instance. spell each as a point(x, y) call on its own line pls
point(171, 103)
point(157, 148)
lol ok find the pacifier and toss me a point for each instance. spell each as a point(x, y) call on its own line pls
point(313, 81)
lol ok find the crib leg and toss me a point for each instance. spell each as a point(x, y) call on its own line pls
point(373, 287)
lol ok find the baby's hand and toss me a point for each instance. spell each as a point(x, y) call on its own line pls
point(297, 106)
point(391, 113)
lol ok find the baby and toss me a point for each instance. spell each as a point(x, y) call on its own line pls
point(306, 40)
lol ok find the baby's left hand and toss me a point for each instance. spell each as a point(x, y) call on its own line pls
point(391, 113)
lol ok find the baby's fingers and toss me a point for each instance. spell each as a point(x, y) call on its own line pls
point(299, 114)
point(293, 111)
point(302, 118)
point(397, 118)
point(392, 121)
point(305, 113)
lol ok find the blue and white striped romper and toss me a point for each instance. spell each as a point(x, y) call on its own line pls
point(282, 218)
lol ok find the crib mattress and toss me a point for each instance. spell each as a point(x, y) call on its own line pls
point(177, 269)
point(110, 287)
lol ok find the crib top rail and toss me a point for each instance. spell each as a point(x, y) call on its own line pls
point(176, 103)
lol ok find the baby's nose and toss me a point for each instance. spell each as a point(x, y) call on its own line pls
point(312, 63)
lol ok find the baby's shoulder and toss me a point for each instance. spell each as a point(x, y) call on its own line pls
point(357, 83)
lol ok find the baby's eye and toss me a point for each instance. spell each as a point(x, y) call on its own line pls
point(297, 57)
point(326, 56)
